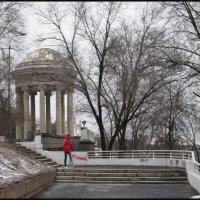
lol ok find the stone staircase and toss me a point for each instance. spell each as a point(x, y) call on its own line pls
point(36, 156)
point(120, 175)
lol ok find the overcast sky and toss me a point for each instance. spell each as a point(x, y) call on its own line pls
point(35, 28)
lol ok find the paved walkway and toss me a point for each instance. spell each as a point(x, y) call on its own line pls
point(116, 191)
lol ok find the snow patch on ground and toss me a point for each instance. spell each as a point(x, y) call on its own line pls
point(15, 167)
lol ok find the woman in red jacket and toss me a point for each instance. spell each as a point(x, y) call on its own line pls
point(67, 148)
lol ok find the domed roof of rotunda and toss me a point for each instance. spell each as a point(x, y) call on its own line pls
point(44, 65)
point(44, 58)
point(43, 54)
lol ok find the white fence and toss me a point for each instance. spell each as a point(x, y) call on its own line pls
point(170, 154)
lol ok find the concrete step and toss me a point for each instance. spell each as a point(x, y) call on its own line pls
point(120, 175)
point(63, 169)
point(121, 182)
point(30, 153)
point(28, 150)
point(133, 172)
point(70, 173)
point(38, 156)
point(55, 165)
point(18, 146)
point(85, 178)
point(144, 174)
point(35, 154)
point(44, 160)
point(25, 150)
point(50, 163)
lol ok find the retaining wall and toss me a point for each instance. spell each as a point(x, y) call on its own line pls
point(193, 177)
point(58, 157)
point(18, 190)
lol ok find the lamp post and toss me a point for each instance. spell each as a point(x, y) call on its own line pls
point(9, 90)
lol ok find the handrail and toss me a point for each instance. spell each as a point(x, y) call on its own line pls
point(171, 154)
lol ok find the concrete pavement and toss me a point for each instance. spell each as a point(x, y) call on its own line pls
point(116, 191)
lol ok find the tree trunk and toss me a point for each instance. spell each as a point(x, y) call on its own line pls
point(110, 145)
point(122, 143)
point(122, 140)
point(103, 139)
point(135, 141)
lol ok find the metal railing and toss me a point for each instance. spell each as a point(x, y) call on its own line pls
point(170, 154)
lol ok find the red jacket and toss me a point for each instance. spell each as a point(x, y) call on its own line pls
point(66, 144)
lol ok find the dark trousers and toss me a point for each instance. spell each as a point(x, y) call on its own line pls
point(70, 156)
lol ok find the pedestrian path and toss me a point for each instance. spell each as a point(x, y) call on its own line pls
point(116, 191)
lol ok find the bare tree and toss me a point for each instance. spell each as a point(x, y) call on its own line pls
point(118, 72)
point(11, 27)
point(139, 73)
point(173, 106)
point(190, 131)
point(95, 30)
point(184, 28)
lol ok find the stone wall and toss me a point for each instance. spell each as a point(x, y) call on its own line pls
point(18, 190)
point(193, 174)
point(48, 142)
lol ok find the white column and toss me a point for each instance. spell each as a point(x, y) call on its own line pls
point(42, 111)
point(70, 114)
point(33, 111)
point(19, 114)
point(63, 110)
point(22, 112)
point(48, 112)
point(58, 111)
point(27, 127)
